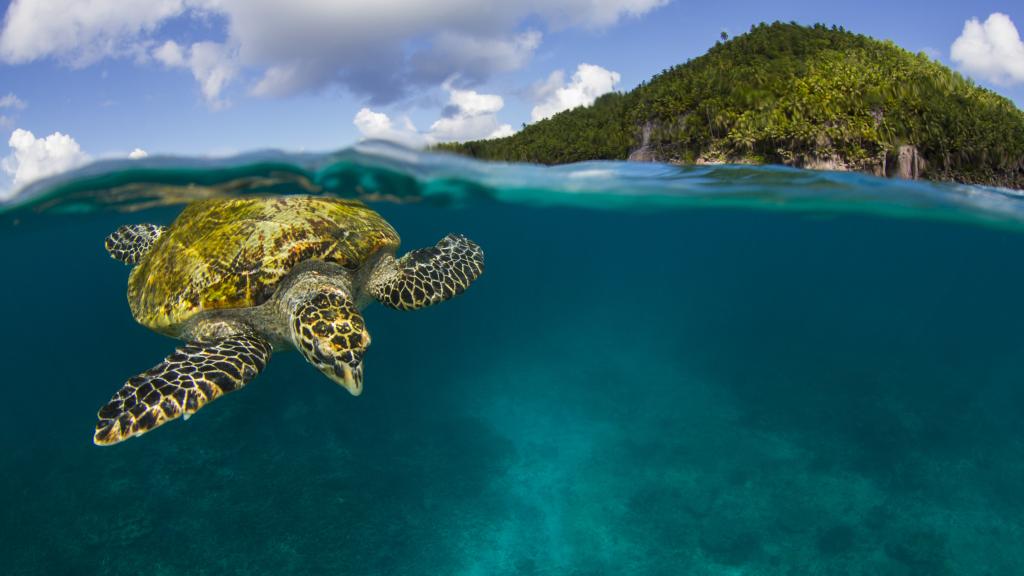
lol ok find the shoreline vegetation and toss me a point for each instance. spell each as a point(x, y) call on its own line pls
point(806, 96)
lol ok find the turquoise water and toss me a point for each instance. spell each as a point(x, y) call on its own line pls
point(716, 370)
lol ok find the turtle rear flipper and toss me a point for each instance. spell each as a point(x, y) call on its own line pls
point(184, 382)
point(129, 243)
point(428, 275)
point(329, 331)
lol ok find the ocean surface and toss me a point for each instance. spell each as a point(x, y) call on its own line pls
point(722, 370)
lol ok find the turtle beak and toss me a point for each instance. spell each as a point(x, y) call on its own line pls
point(350, 378)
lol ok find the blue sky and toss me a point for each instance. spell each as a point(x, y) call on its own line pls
point(224, 76)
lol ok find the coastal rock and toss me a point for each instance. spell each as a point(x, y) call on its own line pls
point(909, 163)
point(826, 162)
point(644, 153)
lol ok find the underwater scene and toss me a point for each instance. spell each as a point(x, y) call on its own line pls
point(663, 370)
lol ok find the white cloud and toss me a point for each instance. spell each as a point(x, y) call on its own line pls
point(587, 83)
point(171, 54)
point(600, 13)
point(11, 101)
point(472, 57)
point(377, 49)
point(502, 131)
point(469, 115)
point(80, 32)
point(137, 153)
point(378, 125)
point(991, 50)
point(462, 128)
point(34, 158)
point(284, 80)
point(473, 103)
point(213, 65)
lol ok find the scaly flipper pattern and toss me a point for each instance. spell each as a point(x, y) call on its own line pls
point(329, 331)
point(129, 243)
point(184, 382)
point(430, 275)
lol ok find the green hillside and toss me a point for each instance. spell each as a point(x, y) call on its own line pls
point(797, 95)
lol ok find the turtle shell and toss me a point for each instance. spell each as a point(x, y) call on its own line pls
point(233, 253)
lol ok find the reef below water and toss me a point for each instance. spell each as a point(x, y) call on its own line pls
point(663, 370)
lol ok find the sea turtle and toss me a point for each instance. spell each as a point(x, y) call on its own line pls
point(239, 278)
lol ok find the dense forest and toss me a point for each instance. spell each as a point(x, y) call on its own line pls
point(804, 96)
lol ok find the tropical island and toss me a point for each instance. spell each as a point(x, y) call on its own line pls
point(804, 96)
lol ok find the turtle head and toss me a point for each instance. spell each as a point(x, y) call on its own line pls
point(328, 330)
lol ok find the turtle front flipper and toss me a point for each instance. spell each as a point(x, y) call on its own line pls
point(428, 275)
point(329, 331)
point(184, 382)
point(129, 243)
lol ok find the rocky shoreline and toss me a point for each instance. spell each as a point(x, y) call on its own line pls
point(905, 162)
